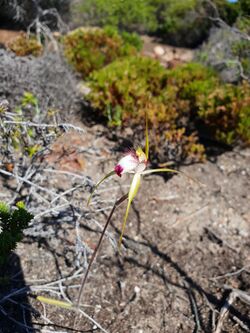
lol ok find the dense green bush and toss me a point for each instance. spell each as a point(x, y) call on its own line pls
point(121, 89)
point(12, 224)
point(126, 15)
point(91, 49)
point(125, 90)
point(227, 11)
point(182, 22)
point(225, 111)
point(244, 7)
point(178, 102)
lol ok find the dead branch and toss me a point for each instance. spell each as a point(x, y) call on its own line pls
point(224, 312)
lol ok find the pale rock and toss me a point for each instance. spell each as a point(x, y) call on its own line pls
point(159, 50)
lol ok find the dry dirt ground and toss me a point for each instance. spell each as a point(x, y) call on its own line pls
point(185, 256)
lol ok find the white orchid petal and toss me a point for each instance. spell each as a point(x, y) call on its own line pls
point(127, 164)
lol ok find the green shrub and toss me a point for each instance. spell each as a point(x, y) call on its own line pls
point(122, 88)
point(132, 39)
point(21, 140)
point(126, 15)
point(227, 11)
point(179, 102)
point(241, 50)
point(24, 46)
point(245, 7)
point(12, 224)
point(125, 90)
point(91, 49)
point(226, 113)
point(243, 24)
point(182, 22)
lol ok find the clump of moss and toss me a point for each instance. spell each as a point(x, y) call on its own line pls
point(23, 46)
point(12, 224)
point(89, 49)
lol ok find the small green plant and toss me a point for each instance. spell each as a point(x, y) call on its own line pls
point(12, 224)
point(23, 140)
point(24, 46)
point(21, 136)
point(91, 49)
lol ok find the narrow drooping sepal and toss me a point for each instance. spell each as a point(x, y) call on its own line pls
point(132, 193)
point(98, 184)
point(147, 172)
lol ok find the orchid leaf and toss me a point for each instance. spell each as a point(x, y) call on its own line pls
point(132, 193)
point(55, 302)
point(146, 138)
point(99, 183)
point(147, 172)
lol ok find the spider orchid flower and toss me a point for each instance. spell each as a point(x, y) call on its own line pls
point(134, 162)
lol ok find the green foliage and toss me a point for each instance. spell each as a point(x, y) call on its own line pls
point(225, 111)
point(124, 87)
point(91, 49)
point(178, 103)
point(29, 99)
point(125, 90)
point(182, 22)
point(23, 46)
point(243, 24)
point(126, 15)
point(241, 49)
point(245, 7)
point(228, 11)
point(21, 139)
point(12, 224)
point(132, 39)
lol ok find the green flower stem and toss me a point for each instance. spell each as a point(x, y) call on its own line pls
point(116, 205)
